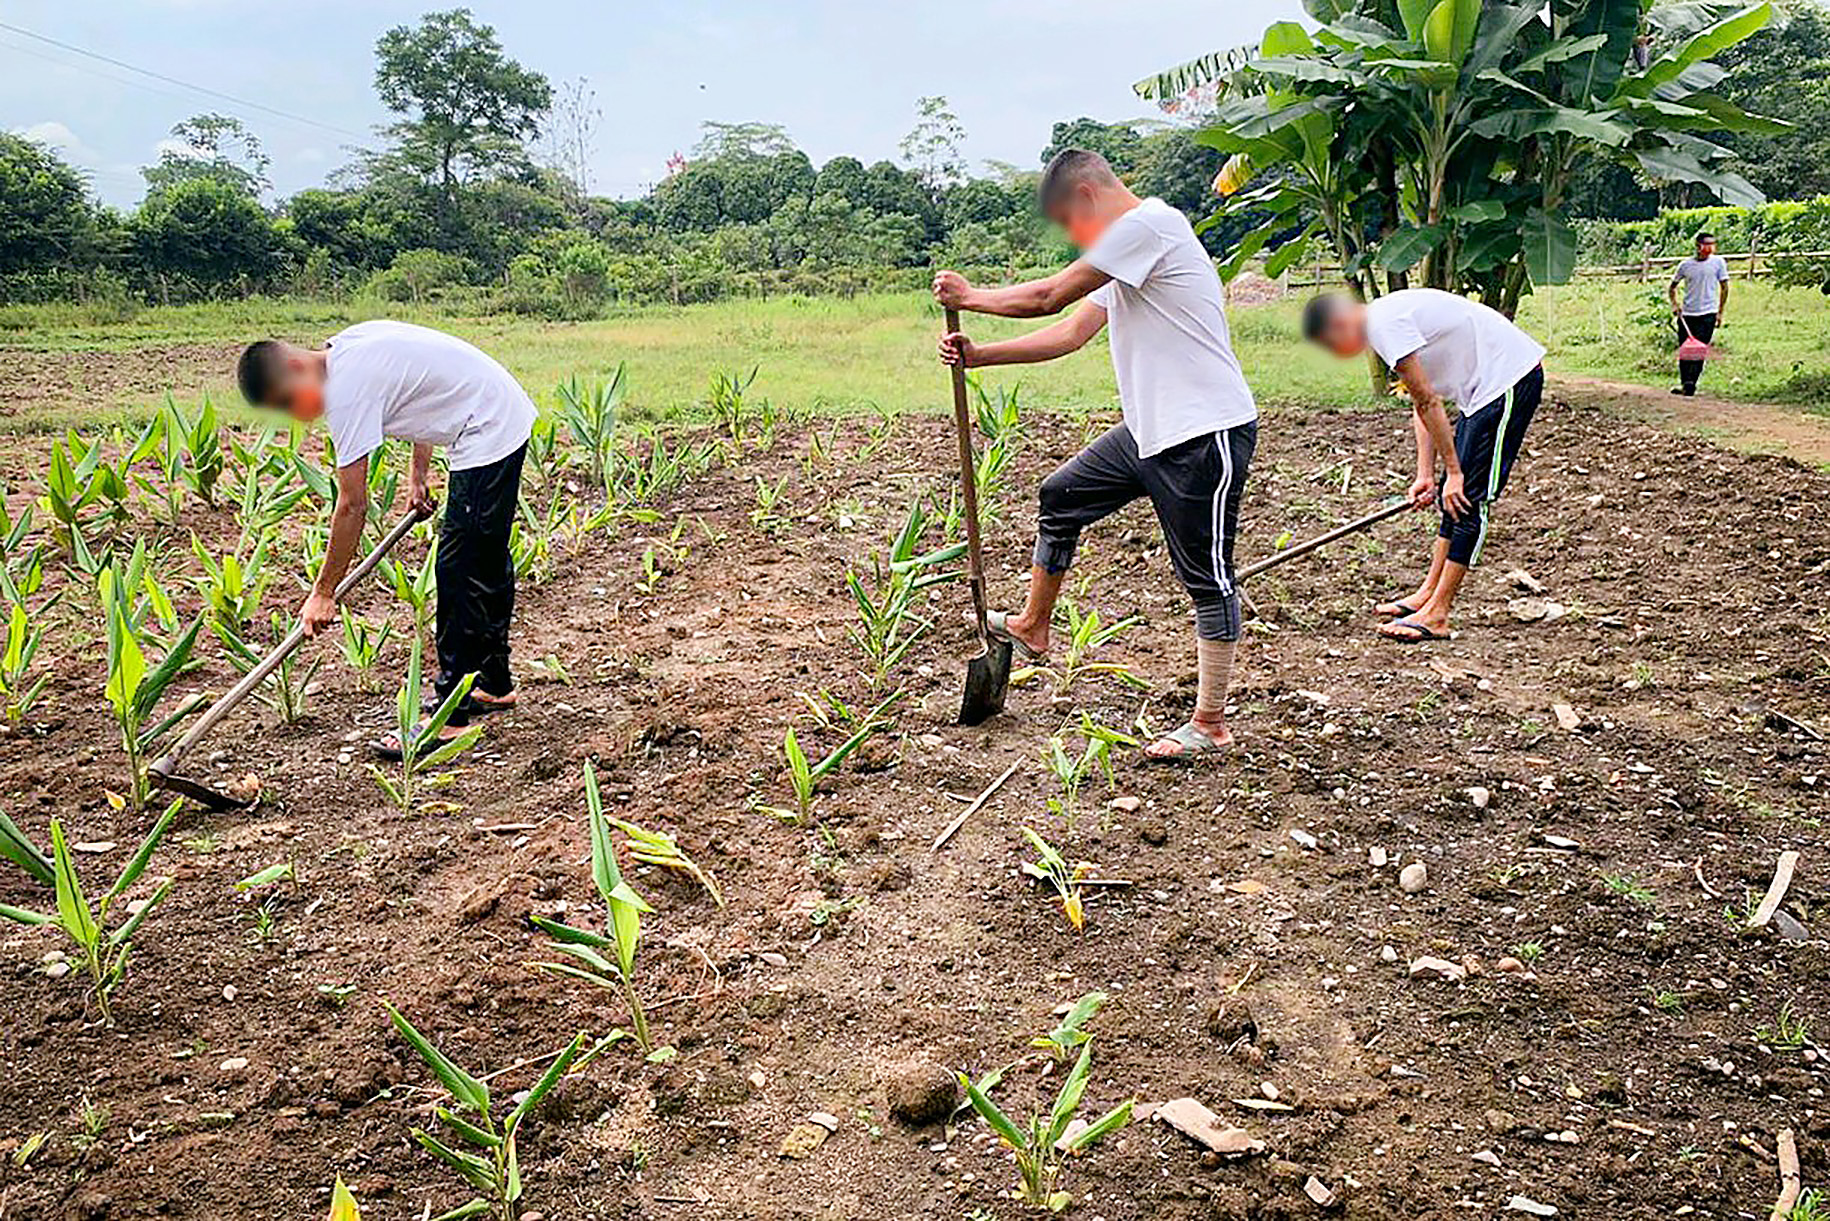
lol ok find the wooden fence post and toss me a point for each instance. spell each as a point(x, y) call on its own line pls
point(1645, 262)
point(1753, 255)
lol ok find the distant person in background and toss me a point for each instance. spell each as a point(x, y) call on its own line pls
point(1699, 312)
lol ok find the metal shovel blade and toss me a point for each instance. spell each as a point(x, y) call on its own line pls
point(987, 682)
point(203, 794)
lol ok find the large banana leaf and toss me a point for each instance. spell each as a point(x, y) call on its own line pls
point(1712, 40)
point(1680, 165)
point(1550, 248)
point(1448, 33)
point(1214, 68)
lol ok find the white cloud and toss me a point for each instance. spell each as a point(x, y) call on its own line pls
point(58, 136)
point(176, 148)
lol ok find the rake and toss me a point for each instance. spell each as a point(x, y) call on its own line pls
point(164, 772)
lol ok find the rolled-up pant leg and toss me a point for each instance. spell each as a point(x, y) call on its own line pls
point(1097, 482)
point(1487, 443)
point(1196, 487)
point(476, 577)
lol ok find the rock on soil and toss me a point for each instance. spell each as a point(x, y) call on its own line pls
point(921, 1092)
point(1413, 877)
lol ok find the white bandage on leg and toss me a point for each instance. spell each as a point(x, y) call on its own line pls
point(1216, 672)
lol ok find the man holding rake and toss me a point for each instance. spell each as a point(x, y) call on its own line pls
point(1190, 423)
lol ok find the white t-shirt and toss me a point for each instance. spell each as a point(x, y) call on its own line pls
point(1177, 375)
point(1472, 353)
point(1702, 280)
point(395, 379)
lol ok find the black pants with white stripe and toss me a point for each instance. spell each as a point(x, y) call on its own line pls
point(1195, 487)
point(1487, 443)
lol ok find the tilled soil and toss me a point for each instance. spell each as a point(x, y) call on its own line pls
point(1629, 1071)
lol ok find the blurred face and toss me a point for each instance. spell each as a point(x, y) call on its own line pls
point(1706, 248)
point(1345, 334)
point(300, 389)
point(1078, 214)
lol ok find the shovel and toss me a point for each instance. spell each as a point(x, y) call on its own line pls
point(164, 771)
point(988, 674)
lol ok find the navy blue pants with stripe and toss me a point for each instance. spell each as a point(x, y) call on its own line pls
point(1487, 443)
point(1195, 487)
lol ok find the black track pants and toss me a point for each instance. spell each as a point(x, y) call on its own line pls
point(1703, 326)
point(476, 577)
point(1487, 443)
point(1195, 487)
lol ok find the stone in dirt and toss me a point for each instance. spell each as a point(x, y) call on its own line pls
point(1427, 965)
point(1127, 805)
point(1524, 580)
point(1319, 1192)
point(921, 1092)
point(1487, 1157)
point(803, 1139)
point(1525, 1204)
point(1499, 1122)
point(1413, 877)
point(1377, 857)
point(1193, 1120)
point(1481, 797)
point(1568, 719)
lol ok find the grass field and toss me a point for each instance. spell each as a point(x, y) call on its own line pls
point(837, 355)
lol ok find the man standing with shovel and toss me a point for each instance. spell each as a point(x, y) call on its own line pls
point(1190, 423)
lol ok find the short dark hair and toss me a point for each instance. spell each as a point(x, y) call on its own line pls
point(258, 371)
point(1067, 169)
point(1319, 312)
point(1705, 236)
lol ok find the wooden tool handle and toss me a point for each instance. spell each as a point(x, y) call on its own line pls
point(1322, 540)
point(271, 662)
point(969, 489)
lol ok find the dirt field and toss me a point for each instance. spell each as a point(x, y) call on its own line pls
point(1629, 1071)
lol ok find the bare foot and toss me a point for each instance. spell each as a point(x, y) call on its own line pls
point(1214, 732)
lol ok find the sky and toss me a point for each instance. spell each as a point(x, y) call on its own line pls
point(843, 78)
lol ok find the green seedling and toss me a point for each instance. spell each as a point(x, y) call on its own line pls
point(552, 669)
point(201, 443)
point(102, 952)
point(362, 645)
point(1071, 1033)
point(1787, 1032)
point(605, 961)
point(343, 1204)
point(1528, 952)
point(588, 412)
point(888, 626)
point(1042, 1145)
point(283, 871)
point(1051, 867)
point(414, 586)
point(420, 747)
point(1086, 633)
point(1071, 771)
point(1629, 887)
point(287, 689)
point(19, 691)
point(998, 413)
point(231, 586)
point(804, 775)
point(663, 851)
point(489, 1163)
point(765, 515)
point(727, 404)
point(134, 687)
point(1811, 1206)
point(16, 846)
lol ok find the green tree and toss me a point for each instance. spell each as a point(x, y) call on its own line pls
point(741, 141)
point(468, 107)
point(215, 146)
point(1118, 143)
point(1784, 72)
point(932, 146)
point(205, 236)
point(45, 217)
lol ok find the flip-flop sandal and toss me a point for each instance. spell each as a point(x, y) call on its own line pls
point(1192, 741)
point(996, 621)
point(389, 747)
point(1400, 610)
point(479, 703)
point(1419, 633)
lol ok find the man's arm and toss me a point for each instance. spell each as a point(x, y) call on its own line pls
point(1434, 421)
point(1069, 335)
point(419, 487)
point(346, 521)
point(1031, 299)
point(1671, 294)
point(1722, 303)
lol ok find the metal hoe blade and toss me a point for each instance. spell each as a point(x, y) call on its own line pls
point(202, 793)
point(987, 682)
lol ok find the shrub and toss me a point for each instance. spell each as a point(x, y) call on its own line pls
point(416, 275)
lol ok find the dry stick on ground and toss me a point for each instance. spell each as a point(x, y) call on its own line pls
point(1790, 1184)
point(1703, 881)
point(1776, 892)
point(960, 820)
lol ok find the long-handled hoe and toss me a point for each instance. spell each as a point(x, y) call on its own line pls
point(988, 674)
point(164, 772)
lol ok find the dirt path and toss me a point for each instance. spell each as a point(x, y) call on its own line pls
point(1757, 428)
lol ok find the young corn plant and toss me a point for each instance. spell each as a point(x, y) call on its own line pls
point(415, 587)
point(663, 851)
point(888, 626)
point(726, 401)
point(19, 691)
point(483, 1151)
point(604, 961)
point(231, 586)
point(1086, 632)
point(1071, 1033)
point(102, 952)
point(362, 645)
point(421, 750)
point(766, 515)
point(288, 688)
point(589, 414)
point(1042, 1145)
point(1051, 867)
point(804, 775)
point(201, 442)
point(134, 687)
point(1071, 771)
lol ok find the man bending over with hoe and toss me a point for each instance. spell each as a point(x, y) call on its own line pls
point(1444, 346)
point(1190, 424)
point(394, 379)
